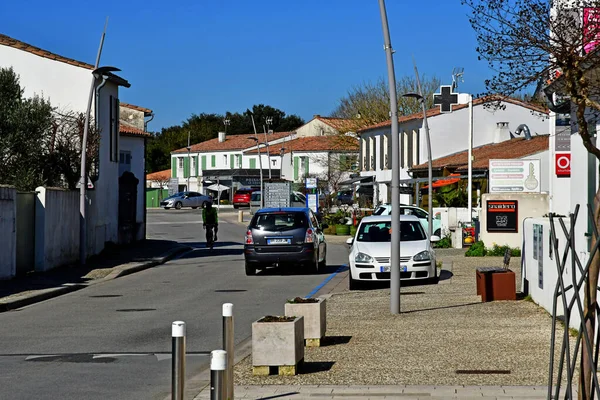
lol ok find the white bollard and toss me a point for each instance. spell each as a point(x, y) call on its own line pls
point(178, 360)
point(228, 344)
point(218, 364)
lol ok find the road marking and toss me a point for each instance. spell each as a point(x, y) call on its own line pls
point(330, 277)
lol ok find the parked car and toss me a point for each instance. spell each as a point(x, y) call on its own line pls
point(370, 251)
point(297, 199)
point(284, 236)
point(242, 197)
point(386, 209)
point(344, 197)
point(186, 199)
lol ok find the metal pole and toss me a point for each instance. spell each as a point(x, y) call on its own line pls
point(218, 364)
point(83, 176)
point(470, 163)
point(228, 346)
point(189, 163)
point(429, 167)
point(268, 153)
point(262, 192)
point(395, 259)
point(178, 360)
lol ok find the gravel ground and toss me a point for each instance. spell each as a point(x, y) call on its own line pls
point(442, 328)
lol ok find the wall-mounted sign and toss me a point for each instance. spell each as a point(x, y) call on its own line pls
point(502, 216)
point(312, 200)
point(311, 183)
point(591, 24)
point(563, 164)
point(521, 176)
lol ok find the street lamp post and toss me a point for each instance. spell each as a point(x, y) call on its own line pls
point(269, 122)
point(189, 163)
point(262, 192)
point(395, 254)
point(421, 100)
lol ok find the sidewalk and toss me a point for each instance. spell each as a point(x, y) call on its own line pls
point(446, 343)
point(110, 264)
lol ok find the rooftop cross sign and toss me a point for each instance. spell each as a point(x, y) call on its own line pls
point(446, 99)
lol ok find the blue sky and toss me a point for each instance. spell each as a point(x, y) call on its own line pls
point(301, 56)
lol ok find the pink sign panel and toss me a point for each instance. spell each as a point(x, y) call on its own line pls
point(591, 28)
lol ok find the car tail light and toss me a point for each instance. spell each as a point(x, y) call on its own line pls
point(249, 239)
point(310, 236)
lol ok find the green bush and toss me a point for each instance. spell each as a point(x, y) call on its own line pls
point(444, 243)
point(498, 251)
point(477, 249)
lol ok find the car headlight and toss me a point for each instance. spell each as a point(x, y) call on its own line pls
point(363, 258)
point(422, 256)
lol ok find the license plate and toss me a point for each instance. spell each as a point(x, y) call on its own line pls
point(279, 241)
point(386, 268)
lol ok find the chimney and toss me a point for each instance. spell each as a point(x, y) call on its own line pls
point(316, 115)
point(502, 132)
point(270, 131)
point(221, 137)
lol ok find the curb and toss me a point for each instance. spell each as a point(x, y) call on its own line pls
point(123, 270)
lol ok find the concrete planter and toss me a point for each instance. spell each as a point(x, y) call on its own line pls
point(277, 344)
point(315, 319)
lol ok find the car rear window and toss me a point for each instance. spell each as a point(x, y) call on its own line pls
point(382, 231)
point(281, 221)
point(243, 192)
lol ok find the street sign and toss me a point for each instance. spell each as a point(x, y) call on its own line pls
point(563, 164)
point(173, 186)
point(313, 201)
point(446, 99)
point(311, 183)
point(277, 194)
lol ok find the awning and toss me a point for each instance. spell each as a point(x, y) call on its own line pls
point(217, 187)
point(439, 178)
point(452, 179)
point(361, 179)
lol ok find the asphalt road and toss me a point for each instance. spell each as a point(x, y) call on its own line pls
point(113, 340)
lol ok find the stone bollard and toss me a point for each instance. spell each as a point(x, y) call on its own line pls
point(240, 216)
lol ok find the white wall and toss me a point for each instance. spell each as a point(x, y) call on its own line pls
point(315, 127)
point(8, 232)
point(66, 86)
point(532, 205)
point(56, 228)
point(135, 145)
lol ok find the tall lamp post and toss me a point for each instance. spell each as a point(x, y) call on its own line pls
point(395, 254)
point(262, 192)
point(421, 99)
point(269, 121)
point(189, 163)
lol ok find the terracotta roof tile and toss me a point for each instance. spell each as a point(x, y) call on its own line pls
point(17, 44)
point(510, 149)
point(127, 130)
point(146, 111)
point(342, 125)
point(232, 142)
point(159, 175)
point(315, 143)
point(432, 112)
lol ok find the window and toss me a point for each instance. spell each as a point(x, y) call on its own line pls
point(213, 161)
point(239, 161)
point(193, 166)
point(225, 159)
point(380, 231)
point(180, 162)
point(114, 129)
point(282, 221)
point(124, 162)
point(252, 163)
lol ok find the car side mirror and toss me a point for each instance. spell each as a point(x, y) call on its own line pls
point(434, 238)
point(350, 241)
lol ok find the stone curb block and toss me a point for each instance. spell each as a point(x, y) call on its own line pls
point(45, 294)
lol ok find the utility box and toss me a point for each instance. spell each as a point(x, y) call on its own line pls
point(277, 194)
point(494, 283)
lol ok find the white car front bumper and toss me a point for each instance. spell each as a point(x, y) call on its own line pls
point(381, 271)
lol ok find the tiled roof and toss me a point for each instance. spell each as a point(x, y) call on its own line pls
point(17, 44)
point(159, 175)
point(510, 149)
point(128, 130)
point(315, 143)
point(146, 111)
point(432, 112)
point(232, 142)
point(342, 125)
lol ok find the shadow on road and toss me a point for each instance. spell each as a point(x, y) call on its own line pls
point(300, 270)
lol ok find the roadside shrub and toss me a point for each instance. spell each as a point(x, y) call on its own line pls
point(477, 249)
point(498, 251)
point(444, 243)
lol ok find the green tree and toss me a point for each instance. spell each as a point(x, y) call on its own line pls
point(528, 43)
point(369, 103)
point(24, 125)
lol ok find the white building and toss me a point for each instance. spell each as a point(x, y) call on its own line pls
point(449, 134)
point(65, 83)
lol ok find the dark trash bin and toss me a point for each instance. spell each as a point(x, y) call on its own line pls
point(496, 283)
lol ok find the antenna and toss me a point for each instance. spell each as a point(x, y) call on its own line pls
point(457, 76)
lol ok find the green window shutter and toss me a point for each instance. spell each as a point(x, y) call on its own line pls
point(343, 161)
point(196, 164)
point(231, 160)
point(252, 163)
point(296, 167)
point(186, 167)
point(306, 170)
point(174, 167)
point(213, 161)
point(203, 163)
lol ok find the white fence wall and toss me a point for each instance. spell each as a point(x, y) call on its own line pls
point(8, 232)
point(57, 228)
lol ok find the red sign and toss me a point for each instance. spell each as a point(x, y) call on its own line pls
point(563, 164)
point(591, 29)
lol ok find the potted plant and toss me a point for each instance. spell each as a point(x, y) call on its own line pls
point(314, 312)
point(342, 226)
point(277, 341)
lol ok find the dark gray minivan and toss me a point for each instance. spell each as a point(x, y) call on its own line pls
point(284, 236)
